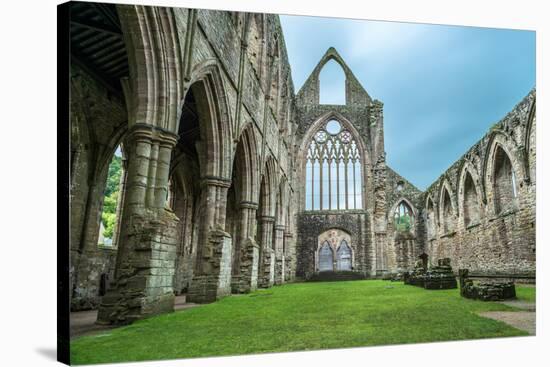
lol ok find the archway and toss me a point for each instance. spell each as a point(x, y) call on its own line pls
point(326, 258)
point(343, 257)
point(339, 242)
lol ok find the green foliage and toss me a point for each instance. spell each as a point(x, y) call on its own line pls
point(108, 220)
point(108, 215)
point(113, 177)
point(403, 223)
point(299, 316)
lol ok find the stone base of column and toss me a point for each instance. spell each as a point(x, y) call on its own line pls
point(288, 269)
point(143, 287)
point(280, 270)
point(267, 270)
point(214, 281)
point(247, 280)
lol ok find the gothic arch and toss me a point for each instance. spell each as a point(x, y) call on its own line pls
point(246, 159)
point(499, 139)
point(407, 203)
point(531, 122)
point(501, 146)
point(447, 207)
point(280, 215)
point(432, 219)
point(268, 189)
point(215, 122)
point(364, 157)
point(465, 211)
point(333, 237)
point(344, 256)
point(397, 202)
point(154, 89)
point(350, 79)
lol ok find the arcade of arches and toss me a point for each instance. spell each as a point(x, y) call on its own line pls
point(225, 180)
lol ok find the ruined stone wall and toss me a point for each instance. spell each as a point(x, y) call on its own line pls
point(249, 55)
point(487, 229)
point(98, 120)
point(363, 116)
point(311, 225)
point(403, 247)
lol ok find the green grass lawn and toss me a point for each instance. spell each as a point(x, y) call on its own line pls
point(301, 316)
point(526, 293)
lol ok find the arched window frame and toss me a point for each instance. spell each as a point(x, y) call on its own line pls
point(332, 63)
point(447, 226)
point(433, 220)
point(469, 170)
point(408, 208)
point(308, 159)
point(501, 140)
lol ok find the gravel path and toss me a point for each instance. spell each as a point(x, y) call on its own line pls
point(83, 322)
point(523, 320)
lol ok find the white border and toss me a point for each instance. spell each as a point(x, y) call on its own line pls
point(28, 183)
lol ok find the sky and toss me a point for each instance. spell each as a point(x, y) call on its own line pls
point(442, 87)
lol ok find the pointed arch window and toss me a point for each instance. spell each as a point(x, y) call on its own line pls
point(505, 185)
point(472, 209)
point(430, 219)
point(333, 169)
point(343, 261)
point(403, 218)
point(332, 84)
point(326, 258)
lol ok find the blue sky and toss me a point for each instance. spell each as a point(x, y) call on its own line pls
point(442, 86)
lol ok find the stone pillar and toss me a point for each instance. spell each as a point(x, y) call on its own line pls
point(212, 277)
point(266, 276)
point(120, 201)
point(290, 257)
point(279, 255)
point(147, 238)
point(245, 277)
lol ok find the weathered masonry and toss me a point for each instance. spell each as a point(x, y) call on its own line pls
point(226, 180)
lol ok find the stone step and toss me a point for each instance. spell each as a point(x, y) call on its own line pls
point(327, 276)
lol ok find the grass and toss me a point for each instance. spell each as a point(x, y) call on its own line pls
point(301, 316)
point(526, 293)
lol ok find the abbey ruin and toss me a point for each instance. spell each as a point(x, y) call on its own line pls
point(231, 180)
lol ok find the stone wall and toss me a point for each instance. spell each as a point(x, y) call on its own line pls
point(311, 225)
point(240, 64)
point(363, 117)
point(233, 160)
point(403, 247)
point(487, 228)
point(98, 121)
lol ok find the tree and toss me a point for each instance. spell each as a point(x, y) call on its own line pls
point(110, 200)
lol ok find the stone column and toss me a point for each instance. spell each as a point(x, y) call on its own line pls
point(147, 238)
point(212, 277)
point(290, 256)
point(245, 278)
point(266, 276)
point(120, 201)
point(279, 255)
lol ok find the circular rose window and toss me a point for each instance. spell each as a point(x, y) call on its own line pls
point(345, 136)
point(321, 136)
point(333, 127)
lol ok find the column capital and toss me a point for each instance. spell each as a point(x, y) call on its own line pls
point(280, 227)
point(150, 133)
point(215, 181)
point(249, 205)
point(266, 219)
